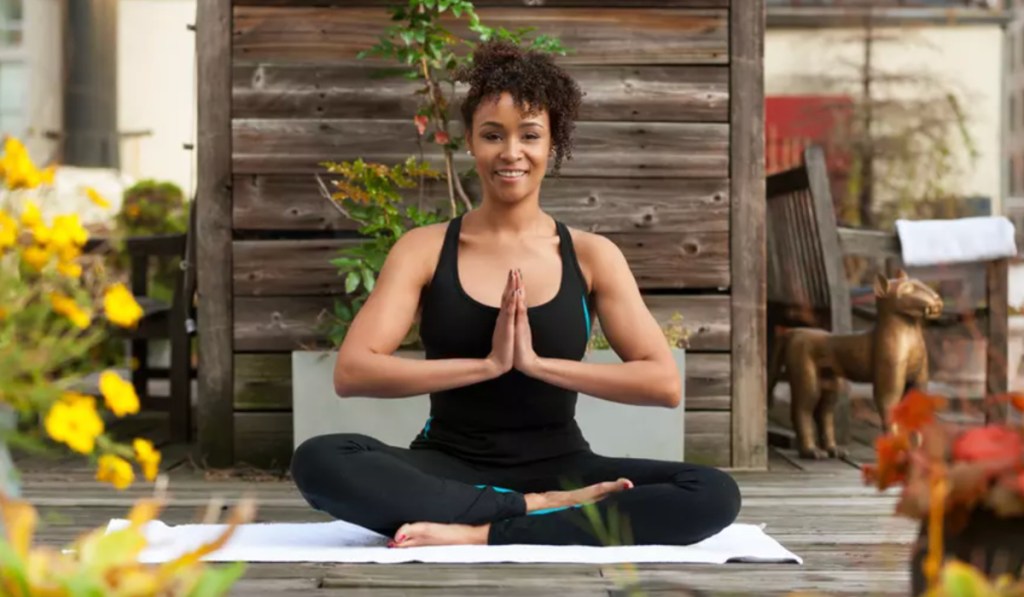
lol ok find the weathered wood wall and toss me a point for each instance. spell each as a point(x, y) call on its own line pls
point(654, 170)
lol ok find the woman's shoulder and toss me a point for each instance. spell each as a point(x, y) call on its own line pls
point(419, 246)
point(592, 246)
point(416, 241)
point(594, 253)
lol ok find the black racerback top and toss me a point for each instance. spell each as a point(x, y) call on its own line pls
point(512, 419)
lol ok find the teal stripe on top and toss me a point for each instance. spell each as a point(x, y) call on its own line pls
point(586, 315)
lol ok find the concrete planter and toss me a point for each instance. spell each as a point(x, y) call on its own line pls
point(612, 429)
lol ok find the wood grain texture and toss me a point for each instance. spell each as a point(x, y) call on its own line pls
point(749, 421)
point(302, 267)
point(274, 324)
point(263, 439)
point(603, 149)
point(526, 4)
point(293, 202)
point(214, 232)
point(595, 35)
point(997, 334)
point(613, 93)
point(263, 382)
point(706, 438)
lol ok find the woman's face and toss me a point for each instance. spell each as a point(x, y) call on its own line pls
point(511, 149)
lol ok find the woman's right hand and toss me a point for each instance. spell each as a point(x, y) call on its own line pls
point(503, 340)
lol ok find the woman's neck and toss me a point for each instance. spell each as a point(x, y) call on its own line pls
point(522, 218)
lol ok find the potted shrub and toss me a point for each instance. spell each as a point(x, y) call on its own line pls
point(965, 484)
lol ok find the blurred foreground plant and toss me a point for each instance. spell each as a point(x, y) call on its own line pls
point(102, 563)
point(56, 305)
point(953, 477)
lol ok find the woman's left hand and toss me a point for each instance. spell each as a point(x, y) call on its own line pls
point(525, 359)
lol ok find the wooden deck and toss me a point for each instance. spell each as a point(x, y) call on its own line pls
point(846, 533)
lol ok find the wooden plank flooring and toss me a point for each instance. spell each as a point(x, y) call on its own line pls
point(850, 541)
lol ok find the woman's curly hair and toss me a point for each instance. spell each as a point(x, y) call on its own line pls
point(533, 80)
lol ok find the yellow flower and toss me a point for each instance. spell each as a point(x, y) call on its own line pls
point(73, 420)
point(119, 394)
point(148, 457)
point(17, 168)
point(31, 216)
point(115, 470)
point(69, 269)
point(41, 234)
point(66, 306)
point(120, 306)
point(96, 198)
point(36, 257)
point(46, 175)
point(68, 232)
point(8, 231)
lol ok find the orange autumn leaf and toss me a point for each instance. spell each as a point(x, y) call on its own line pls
point(916, 410)
point(892, 462)
point(989, 443)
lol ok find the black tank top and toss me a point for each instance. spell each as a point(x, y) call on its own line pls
point(512, 419)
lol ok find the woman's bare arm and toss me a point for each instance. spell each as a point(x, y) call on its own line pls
point(648, 374)
point(366, 365)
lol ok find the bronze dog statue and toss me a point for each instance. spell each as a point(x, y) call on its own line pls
point(891, 356)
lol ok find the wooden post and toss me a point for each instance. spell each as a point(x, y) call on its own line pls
point(747, 248)
point(214, 264)
point(997, 365)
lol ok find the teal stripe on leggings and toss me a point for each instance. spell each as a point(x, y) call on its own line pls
point(535, 512)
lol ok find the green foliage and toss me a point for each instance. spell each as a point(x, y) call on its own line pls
point(152, 207)
point(431, 53)
point(370, 194)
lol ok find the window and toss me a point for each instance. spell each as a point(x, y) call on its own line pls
point(13, 69)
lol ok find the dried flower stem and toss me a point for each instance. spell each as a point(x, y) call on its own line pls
point(936, 512)
point(454, 184)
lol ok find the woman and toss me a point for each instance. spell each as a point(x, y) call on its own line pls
point(504, 295)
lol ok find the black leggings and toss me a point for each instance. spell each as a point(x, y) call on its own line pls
point(366, 482)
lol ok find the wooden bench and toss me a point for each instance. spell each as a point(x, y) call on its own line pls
point(807, 284)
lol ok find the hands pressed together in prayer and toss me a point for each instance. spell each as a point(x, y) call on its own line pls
point(512, 343)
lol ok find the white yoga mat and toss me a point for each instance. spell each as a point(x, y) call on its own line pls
point(343, 542)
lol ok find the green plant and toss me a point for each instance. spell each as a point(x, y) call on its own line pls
point(371, 193)
point(152, 207)
point(431, 55)
point(676, 334)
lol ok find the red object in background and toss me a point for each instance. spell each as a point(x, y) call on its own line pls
point(792, 122)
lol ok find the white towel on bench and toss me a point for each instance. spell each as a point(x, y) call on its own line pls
point(339, 541)
point(938, 242)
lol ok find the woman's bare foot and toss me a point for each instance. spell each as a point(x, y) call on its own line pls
point(419, 534)
point(584, 495)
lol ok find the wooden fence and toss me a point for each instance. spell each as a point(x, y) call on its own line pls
point(668, 164)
